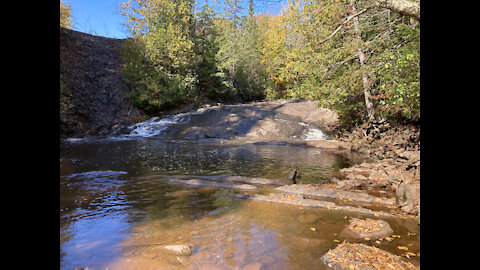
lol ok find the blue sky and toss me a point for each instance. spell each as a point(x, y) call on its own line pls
point(101, 17)
point(98, 16)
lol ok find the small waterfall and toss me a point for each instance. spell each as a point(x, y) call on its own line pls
point(155, 125)
point(312, 133)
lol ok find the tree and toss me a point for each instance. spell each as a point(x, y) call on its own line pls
point(160, 58)
point(367, 81)
point(350, 57)
point(65, 15)
point(208, 79)
point(403, 7)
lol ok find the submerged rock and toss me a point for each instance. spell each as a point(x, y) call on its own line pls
point(203, 183)
point(184, 250)
point(307, 219)
point(253, 266)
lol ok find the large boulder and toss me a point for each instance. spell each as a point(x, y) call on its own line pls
point(408, 197)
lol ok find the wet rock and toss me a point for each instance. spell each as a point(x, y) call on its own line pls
point(334, 194)
point(299, 200)
point(363, 257)
point(209, 266)
point(373, 229)
point(184, 250)
point(408, 197)
point(253, 266)
point(293, 176)
point(329, 144)
point(203, 183)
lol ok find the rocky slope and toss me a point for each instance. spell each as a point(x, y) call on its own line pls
point(93, 96)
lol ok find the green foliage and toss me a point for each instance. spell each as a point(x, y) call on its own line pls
point(153, 87)
point(397, 74)
point(209, 81)
point(300, 66)
point(158, 61)
point(178, 55)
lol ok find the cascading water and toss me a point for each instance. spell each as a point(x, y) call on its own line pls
point(312, 133)
point(155, 125)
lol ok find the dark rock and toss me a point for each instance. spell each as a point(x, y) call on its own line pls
point(293, 176)
point(91, 70)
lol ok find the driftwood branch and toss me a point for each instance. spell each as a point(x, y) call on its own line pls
point(404, 7)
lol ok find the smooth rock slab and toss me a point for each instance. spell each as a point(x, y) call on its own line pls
point(334, 194)
point(203, 183)
point(239, 179)
point(299, 200)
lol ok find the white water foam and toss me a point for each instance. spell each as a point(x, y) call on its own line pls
point(312, 133)
point(155, 125)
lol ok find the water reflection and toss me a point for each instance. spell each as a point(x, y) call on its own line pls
point(116, 211)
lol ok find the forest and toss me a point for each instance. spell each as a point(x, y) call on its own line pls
point(359, 58)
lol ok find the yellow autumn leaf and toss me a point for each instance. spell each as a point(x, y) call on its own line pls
point(313, 229)
point(402, 247)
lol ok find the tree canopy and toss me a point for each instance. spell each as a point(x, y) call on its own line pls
point(360, 58)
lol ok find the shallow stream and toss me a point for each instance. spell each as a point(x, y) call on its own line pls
point(117, 207)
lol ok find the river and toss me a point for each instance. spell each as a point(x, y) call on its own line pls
point(117, 206)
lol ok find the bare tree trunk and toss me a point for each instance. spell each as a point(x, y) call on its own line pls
point(404, 7)
point(365, 77)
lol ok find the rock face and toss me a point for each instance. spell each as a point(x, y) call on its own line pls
point(260, 120)
point(90, 70)
point(408, 197)
point(309, 112)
